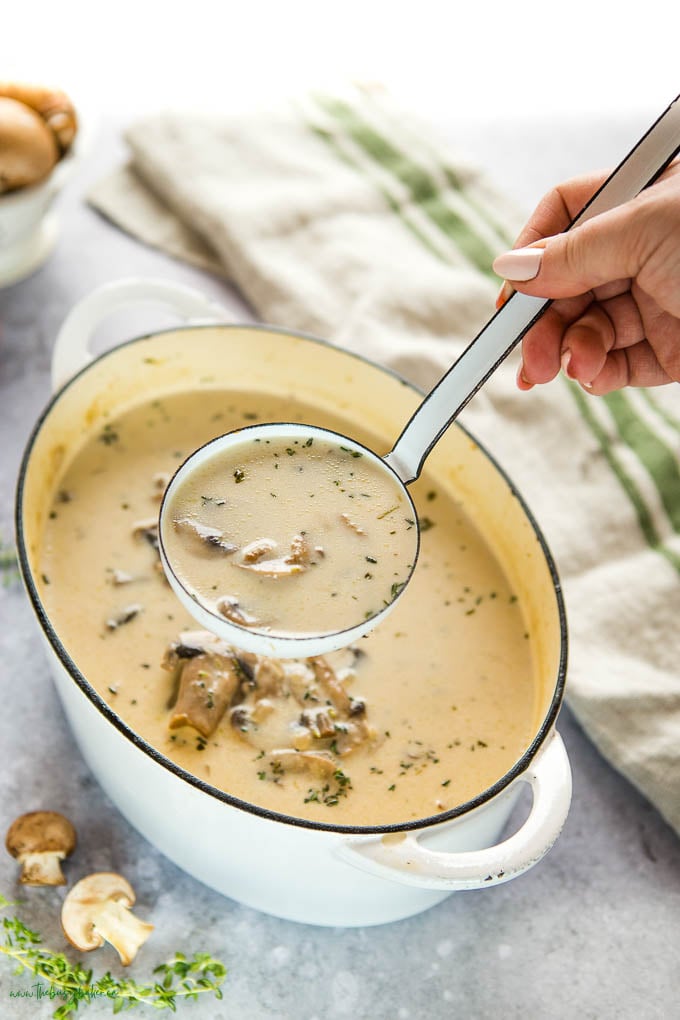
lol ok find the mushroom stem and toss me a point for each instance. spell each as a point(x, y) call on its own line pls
point(114, 922)
point(42, 868)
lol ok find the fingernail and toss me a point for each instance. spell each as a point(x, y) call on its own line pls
point(588, 385)
point(565, 360)
point(518, 265)
point(522, 380)
point(504, 293)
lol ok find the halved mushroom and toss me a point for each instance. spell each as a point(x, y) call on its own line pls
point(295, 562)
point(281, 567)
point(316, 762)
point(40, 840)
point(254, 551)
point(97, 910)
point(207, 537)
point(228, 607)
point(330, 685)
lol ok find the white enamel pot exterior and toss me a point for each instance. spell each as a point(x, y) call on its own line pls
point(299, 870)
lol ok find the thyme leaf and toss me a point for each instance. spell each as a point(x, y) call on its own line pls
point(177, 978)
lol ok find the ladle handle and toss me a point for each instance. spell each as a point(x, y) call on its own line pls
point(640, 168)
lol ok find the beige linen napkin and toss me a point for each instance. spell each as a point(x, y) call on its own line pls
point(345, 218)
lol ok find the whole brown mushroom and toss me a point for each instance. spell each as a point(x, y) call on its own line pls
point(28, 148)
point(40, 840)
point(52, 105)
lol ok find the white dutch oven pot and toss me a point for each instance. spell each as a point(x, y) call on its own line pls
point(304, 871)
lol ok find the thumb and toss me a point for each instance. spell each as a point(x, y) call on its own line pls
point(615, 245)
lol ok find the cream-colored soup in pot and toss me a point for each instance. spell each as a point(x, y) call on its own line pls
point(291, 535)
point(427, 711)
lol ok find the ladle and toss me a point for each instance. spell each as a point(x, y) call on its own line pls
point(403, 464)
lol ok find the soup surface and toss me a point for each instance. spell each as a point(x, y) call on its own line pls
point(291, 535)
point(427, 711)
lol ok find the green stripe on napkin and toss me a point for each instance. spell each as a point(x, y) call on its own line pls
point(419, 184)
point(632, 491)
point(665, 415)
point(396, 208)
point(651, 451)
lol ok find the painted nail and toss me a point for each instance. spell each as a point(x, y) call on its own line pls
point(504, 293)
point(522, 380)
point(518, 265)
point(565, 360)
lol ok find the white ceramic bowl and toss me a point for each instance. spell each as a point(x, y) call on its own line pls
point(305, 871)
point(29, 226)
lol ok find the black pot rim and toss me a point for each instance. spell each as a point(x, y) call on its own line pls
point(126, 731)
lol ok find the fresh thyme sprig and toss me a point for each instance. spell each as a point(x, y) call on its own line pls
point(180, 977)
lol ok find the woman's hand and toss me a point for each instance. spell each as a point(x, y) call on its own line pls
point(615, 281)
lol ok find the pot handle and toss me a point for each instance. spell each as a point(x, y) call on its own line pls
point(406, 861)
point(71, 349)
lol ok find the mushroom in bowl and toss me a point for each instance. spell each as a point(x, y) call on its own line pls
point(38, 128)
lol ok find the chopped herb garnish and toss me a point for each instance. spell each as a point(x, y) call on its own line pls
point(108, 436)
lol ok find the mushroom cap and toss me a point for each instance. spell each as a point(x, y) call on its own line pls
point(53, 105)
point(40, 832)
point(84, 900)
point(27, 145)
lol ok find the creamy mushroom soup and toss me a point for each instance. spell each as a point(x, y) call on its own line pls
point(430, 709)
point(291, 535)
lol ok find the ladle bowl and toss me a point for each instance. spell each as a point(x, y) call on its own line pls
point(260, 640)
